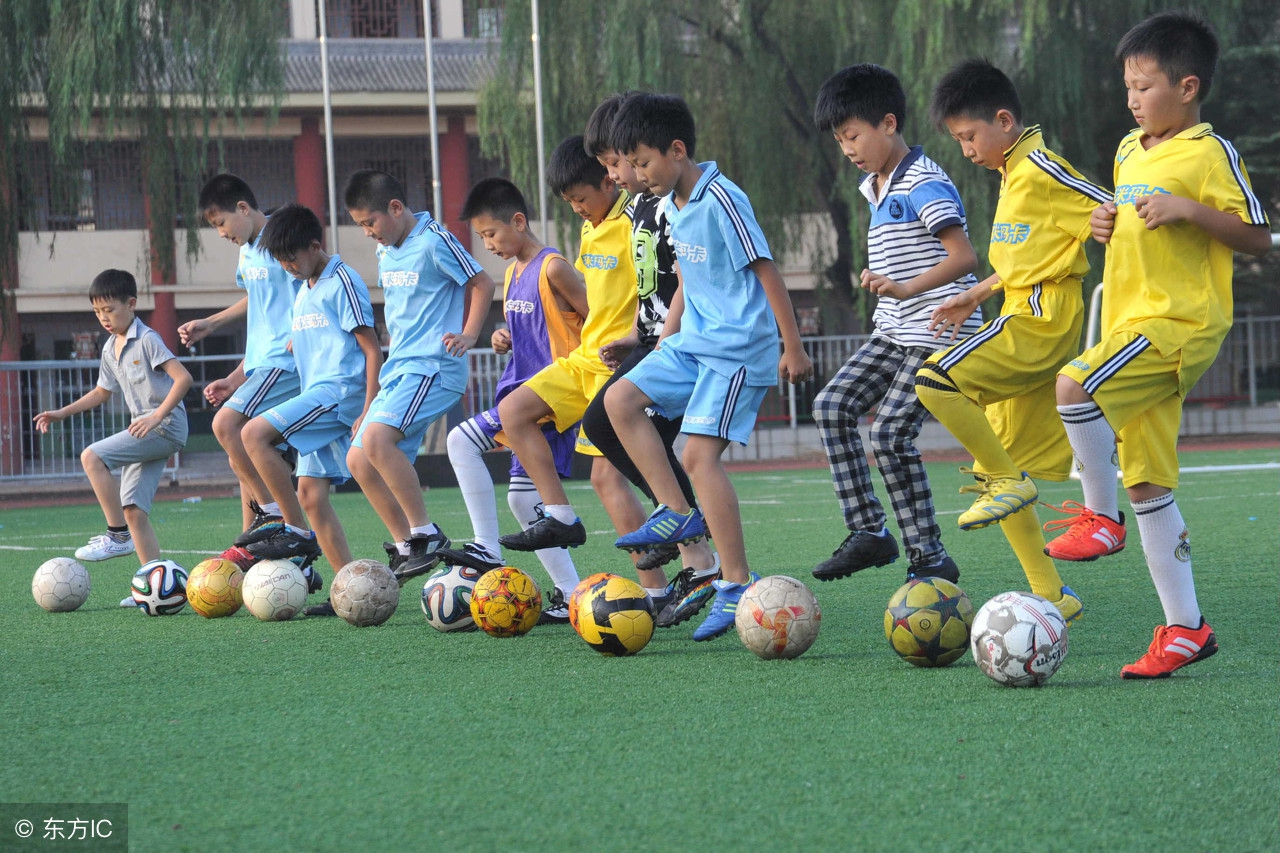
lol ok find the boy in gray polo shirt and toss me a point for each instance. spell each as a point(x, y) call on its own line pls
point(137, 364)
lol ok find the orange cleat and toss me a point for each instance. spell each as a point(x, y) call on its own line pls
point(1172, 648)
point(1088, 535)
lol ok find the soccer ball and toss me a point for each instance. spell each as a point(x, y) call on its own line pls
point(778, 617)
point(213, 589)
point(579, 591)
point(160, 588)
point(446, 598)
point(365, 593)
point(274, 590)
point(506, 602)
point(1019, 639)
point(927, 622)
point(615, 616)
point(60, 585)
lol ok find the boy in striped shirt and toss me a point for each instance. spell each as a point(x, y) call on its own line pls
point(918, 255)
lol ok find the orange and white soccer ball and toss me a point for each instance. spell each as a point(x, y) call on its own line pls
point(778, 617)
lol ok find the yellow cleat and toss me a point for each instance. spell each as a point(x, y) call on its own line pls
point(998, 498)
point(1069, 605)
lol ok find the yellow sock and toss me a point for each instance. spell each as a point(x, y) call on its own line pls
point(965, 420)
point(1026, 537)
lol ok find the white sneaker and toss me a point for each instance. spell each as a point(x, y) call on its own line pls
point(104, 547)
point(128, 602)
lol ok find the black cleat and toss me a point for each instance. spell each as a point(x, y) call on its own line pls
point(283, 543)
point(946, 569)
point(859, 550)
point(657, 558)
point(472, 556)
point(325, 608)
point(394, 558)
point(260, 519)
point(556, 610)
point(546, 532)
point(686, 595)
point(424, 553)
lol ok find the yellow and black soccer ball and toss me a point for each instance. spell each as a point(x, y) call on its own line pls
point(614, 616)
point(928, 621)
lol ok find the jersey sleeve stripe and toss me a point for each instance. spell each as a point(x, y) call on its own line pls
point(1064, 177)
point(1257, 216)
point(349, 287)
point(739, 224)
point(461, 255)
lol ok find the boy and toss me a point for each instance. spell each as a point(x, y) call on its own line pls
point(267, 376)
point(719, 349)
point(426, 276)
point(338, 357)
point(136, 363)
point(994, 390)
point(562, 390)
point(656, 281)
point(918, 256)
point(1182, 205)
point(544, 302)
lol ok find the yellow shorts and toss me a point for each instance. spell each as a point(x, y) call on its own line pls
point(567, 385)
point(1139, 391)
point(1010, 367)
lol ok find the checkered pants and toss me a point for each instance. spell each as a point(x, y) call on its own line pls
point(880, 375)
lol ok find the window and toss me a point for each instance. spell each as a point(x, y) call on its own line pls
point(365, 19)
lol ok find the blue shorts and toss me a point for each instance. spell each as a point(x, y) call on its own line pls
point(410, 404)
point(711, 403)
point(562, 444)
point(266, 388)
point(310, 425)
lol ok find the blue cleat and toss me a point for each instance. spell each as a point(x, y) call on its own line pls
point(664, 527)
point(724, 609)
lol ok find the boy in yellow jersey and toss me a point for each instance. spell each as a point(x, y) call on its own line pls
point(995, 391)
point(561, 390)
point(1182, 205)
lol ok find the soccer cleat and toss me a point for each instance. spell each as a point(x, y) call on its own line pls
point(104, 547)
point(945, 568)
point(998, 498)
point(1069, 605)
point(656, 558)
point(324, 608)
point(128, 602)
point(1088, 535)
point(556, 611)
point(1172, 648)
point(394, 558)
point(546, 532)
point(242, 558)
point(473, 555)
point(283, 543)
point(424, 553)
point(859, 550)
point(687, 594)
point(315, 583)
point(664, 527)
point(260, 519)
point(724, 609)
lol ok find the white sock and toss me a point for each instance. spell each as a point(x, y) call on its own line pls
point(301, 531)
point(431, 529)
point(272, 508)
point(1167, 545)
point(523, 498)
point(561, 512)
point(402, 548)
point(655, 593)
point(466, 445)
point(1094, 443)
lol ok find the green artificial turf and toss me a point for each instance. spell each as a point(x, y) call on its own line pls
point(233, 734)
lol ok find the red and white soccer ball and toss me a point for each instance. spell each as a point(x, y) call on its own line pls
point(778, 617)
point(1019, 639)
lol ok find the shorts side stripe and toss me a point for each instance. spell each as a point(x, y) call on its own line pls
point(959, 351)
point(306, 420)
point(1037, 291)
point(424, 387)
point(736, 383)
point(1112, 366)
point(263, 390)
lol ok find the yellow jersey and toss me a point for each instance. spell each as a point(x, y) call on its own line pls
point(607, 264)
point(1173, 285)
point(1042, 217)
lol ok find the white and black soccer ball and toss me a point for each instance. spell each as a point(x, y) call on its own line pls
point(160, 588)
point(1019, 639)
point(365, 593)
point(446, 598)
point(274, 590)
point(60, 585)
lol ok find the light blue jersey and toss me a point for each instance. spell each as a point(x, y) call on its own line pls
point(271, 291)
point(422, 283)
point(727, 322)
point(328, 356)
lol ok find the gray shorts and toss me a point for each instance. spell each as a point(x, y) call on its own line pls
point(142, 459)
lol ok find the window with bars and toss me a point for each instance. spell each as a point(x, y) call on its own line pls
point(104, 194)
point(482, 18)
point(378, 18)
point(407, 158)
point(266, 165)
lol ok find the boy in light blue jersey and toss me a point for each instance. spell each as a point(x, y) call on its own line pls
point(338, 357)
point(424, 273)
point(718, 353)
point(267, 375)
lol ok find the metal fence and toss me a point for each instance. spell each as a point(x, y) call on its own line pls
point(1247, 372)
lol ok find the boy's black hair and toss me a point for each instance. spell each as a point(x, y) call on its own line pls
point(866, 92)
point(974, 89)
point(1183, 44)
point(113, 284)
point(596, 137)
point(571, 167)
point(496, 197)
point(373, 190)
point(290, 230)
point(655, 121)
point(224, 192)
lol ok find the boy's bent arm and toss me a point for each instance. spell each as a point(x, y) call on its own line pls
point(795, 365)
point(960, 261)
point(1227, 228)
point(675, 310)
point(96, 396)
point(568, 285)
point(481, 299)
point(181, 385)
point(367, 339)
point(195, 330)
point(954, 310)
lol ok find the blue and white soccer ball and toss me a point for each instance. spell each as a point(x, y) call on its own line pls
point(160, 588)
point(446, 598)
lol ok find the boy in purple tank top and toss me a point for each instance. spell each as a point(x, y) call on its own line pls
point(544, 303)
